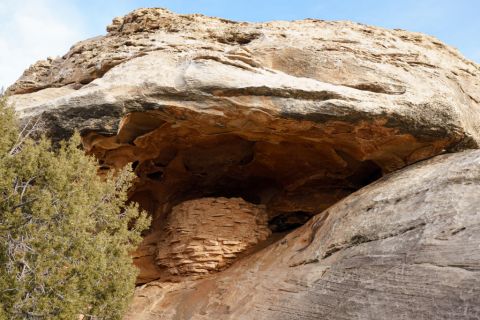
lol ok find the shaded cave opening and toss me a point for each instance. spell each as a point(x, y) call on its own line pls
point(293, 185)
point(289, 177)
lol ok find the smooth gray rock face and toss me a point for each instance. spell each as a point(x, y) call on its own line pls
point(404, 247)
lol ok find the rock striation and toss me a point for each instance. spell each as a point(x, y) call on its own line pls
point(404, 247)
point(206, 235)
point(241, 132)
point(310, 70)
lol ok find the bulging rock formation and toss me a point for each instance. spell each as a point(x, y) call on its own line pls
point(205, 235)
point(241, 132)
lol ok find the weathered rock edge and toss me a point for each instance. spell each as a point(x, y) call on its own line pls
point(153, 59)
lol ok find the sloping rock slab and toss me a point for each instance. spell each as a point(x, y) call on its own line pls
point(404, 247)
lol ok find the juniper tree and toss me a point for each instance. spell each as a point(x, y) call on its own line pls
point(65, 233)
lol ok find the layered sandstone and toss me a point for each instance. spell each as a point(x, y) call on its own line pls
point(304, 71)
point(205, 235)
point(275, 123)
point(404, 247)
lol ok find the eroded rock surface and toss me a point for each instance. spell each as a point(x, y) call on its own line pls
point(206, 235)
point(290, 117)
point(404, 247)
point(309, 70)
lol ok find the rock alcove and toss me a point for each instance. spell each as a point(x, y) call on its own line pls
point(210, 172)
point(240, 132)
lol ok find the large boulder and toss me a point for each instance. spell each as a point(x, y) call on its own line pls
point(287, 119)
point(404, 247)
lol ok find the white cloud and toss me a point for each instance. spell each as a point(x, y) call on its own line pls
point(31, 30)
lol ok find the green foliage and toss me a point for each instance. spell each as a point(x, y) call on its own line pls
point(65, 233)
point(8, 123)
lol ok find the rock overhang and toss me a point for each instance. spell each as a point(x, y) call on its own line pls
point(293, 116)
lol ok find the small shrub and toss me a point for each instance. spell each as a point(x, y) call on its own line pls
point(65, 233)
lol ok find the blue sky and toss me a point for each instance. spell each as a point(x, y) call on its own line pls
point(34, 29)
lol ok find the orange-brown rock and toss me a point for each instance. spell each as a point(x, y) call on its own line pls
point(201, 236)
point(207, 234)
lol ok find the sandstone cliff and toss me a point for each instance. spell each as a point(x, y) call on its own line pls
point(239, 133)
point(405, 247)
